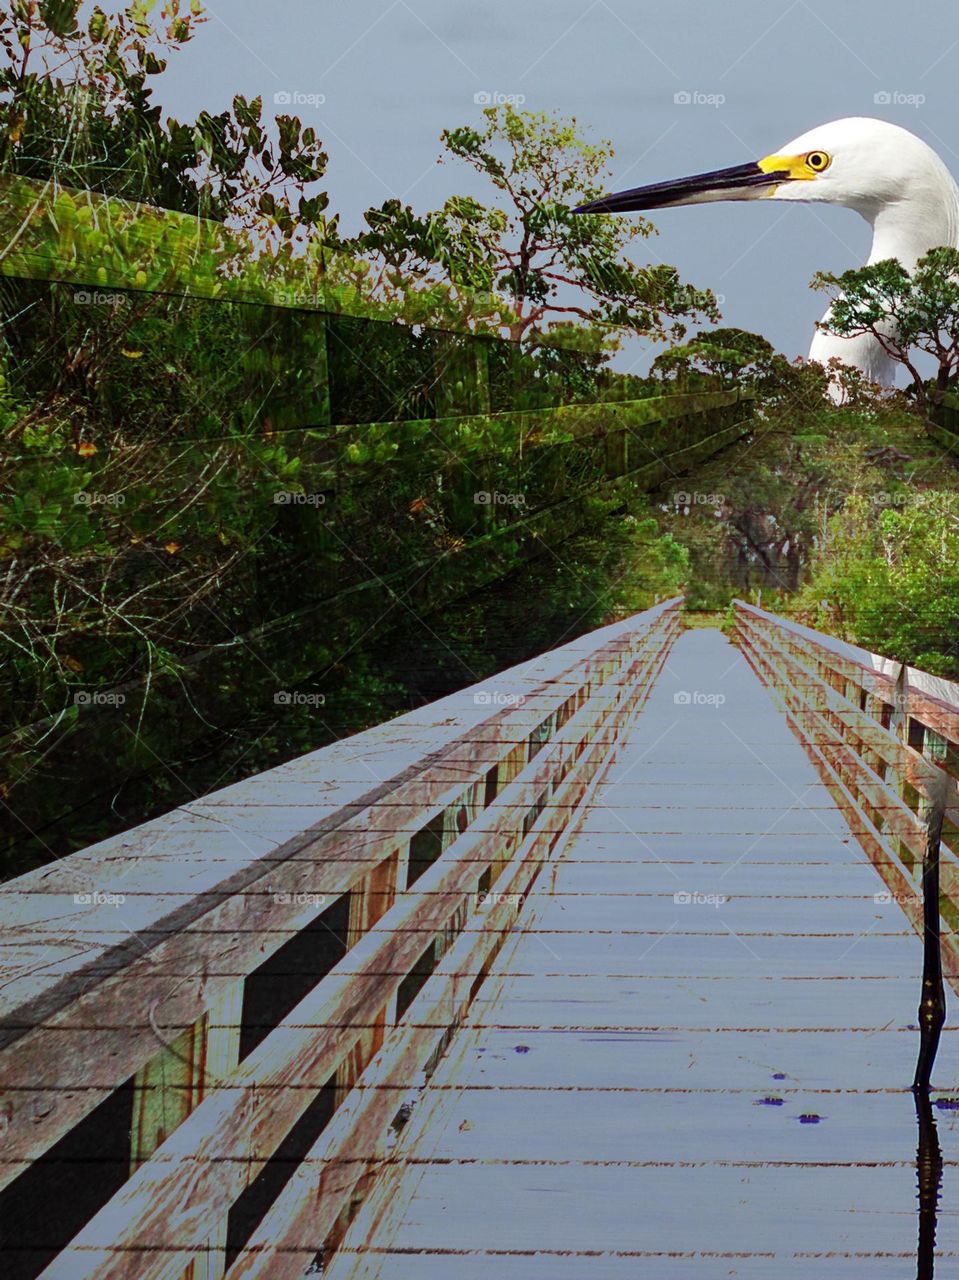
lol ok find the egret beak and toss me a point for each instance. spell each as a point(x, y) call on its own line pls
point(740, 182)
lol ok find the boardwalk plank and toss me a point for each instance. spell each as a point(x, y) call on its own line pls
point(611, 1106)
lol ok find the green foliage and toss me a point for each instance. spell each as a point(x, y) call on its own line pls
point(76, 105)
point(905, 312)
point(615, 565)
point(734, 354)
point(533, 253)
point(891, 584)
point(754, 517)
point(237, 462)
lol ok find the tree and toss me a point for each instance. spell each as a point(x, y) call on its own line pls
point(905, 312)
point(892, 584)
point(92, 392)
point(734, 354)
point(76, 104)
point(773, 494)
point(543, 259)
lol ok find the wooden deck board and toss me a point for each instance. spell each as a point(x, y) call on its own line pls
point(708, 1266)
point(603, 1112)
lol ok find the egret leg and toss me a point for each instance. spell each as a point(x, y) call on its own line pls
point(932, 1004)
point(929, 1174)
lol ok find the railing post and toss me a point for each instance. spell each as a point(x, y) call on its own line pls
point(901, 724)
point(462, 375)
point(173, 1083)
point(369, 900)
point(456, 820)
point(872, 707)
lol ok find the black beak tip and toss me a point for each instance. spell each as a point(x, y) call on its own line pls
point(593, 206)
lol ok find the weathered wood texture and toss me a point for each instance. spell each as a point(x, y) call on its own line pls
point(212, 889)
point(433, 832)
point(692, 1058)
point(877, 745)
point(142, 937)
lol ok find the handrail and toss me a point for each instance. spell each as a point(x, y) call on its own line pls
point(56, 233)
point(545, 424)
point(929, 695)
point(213, 889)
point(879, 746)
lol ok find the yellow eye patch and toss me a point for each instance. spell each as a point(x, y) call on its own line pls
point(797, 168)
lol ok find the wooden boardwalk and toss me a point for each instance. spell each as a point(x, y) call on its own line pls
point(691, 1057)
point(604, 967)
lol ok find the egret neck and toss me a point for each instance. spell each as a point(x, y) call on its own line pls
point(920, 219)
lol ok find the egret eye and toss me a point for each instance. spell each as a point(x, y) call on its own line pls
point(817, 161)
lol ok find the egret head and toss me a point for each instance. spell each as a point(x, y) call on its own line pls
point(858, 162)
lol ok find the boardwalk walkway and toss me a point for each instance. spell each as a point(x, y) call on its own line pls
point(658, 1078)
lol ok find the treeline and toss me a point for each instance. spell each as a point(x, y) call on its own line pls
point(228, 527)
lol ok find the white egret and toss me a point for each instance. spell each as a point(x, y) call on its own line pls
point(884, 172)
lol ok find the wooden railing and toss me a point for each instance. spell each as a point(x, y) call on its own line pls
point(944, 427)
point(245, 990)
point(880, 737)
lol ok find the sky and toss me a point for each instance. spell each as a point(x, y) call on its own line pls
point(677, 87)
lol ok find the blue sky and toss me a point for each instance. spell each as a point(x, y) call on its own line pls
point(393, 73)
